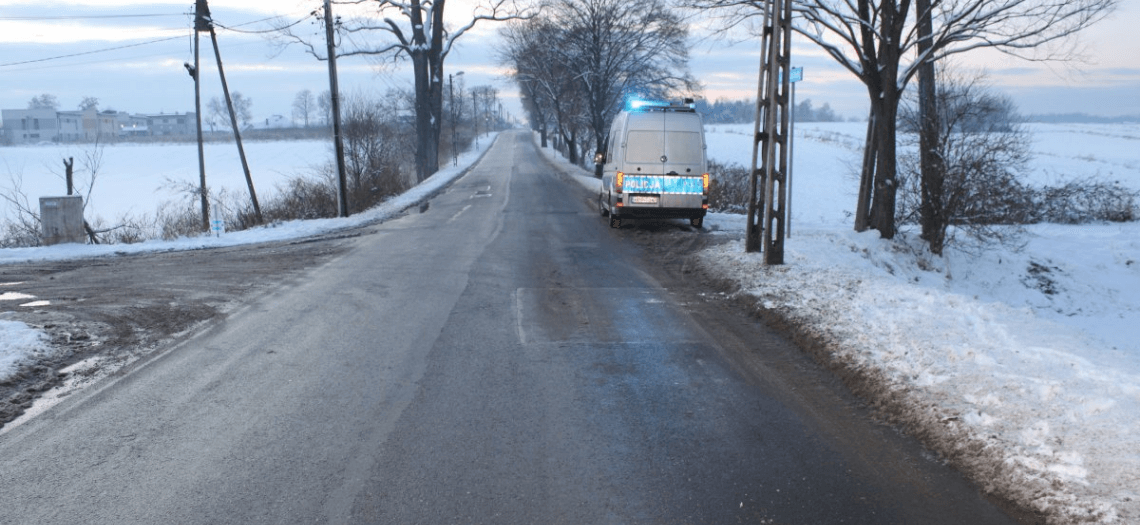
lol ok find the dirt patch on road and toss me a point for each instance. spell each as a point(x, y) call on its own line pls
point(109, 311)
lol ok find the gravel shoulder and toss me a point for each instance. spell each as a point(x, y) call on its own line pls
point(108, 312)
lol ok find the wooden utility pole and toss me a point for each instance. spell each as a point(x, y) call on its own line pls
point(203, 21)
point(866, 180)
point(932, 215)
point(768, 178)
point(334, 98)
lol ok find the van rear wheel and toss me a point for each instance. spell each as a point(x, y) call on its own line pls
point(697, 222)
point(615, 221)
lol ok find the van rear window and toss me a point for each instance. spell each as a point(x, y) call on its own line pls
point(681, 147)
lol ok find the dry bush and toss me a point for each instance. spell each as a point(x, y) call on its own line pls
point(303, 198)
point(728, 188)
point(1085, 200)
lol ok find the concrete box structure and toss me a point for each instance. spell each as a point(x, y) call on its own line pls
point(62, 220)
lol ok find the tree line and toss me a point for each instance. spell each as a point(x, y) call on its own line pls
point(578, 62)
point(724, 111)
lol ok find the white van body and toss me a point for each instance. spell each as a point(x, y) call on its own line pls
point(655, 165)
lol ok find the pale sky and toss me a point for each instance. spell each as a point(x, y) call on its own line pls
point(65, 49)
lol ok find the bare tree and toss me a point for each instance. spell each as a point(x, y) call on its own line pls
point(596, 53)
point(88, 103)
point(304, 106)
point(414, 30)
point(21, 227)
point(243, 107)
point(375, 149)
point(878, 41)
point(324, 105)
point(45, 101)
point(218, 113)
point(552, 82)
point(983, 152)
point(531, 98)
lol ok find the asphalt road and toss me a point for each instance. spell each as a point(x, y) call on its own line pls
point(503, 357)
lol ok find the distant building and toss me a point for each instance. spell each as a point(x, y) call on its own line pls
point(70, 126)
point(31, 126)
point(274, 122)
point(133, 125)
point(172, 124)
point(22, 126)
point(102, 126)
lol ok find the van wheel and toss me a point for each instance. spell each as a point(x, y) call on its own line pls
point(615, 221)
point(697, 222)
point(601, 208)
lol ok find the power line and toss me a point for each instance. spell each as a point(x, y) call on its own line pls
point(84, 17)
point(92, 51)
point(273, 30)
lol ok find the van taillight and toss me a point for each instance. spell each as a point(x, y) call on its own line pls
point(619, 181)
point(705, 182)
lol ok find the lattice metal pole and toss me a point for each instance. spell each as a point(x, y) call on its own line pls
point(766, 207)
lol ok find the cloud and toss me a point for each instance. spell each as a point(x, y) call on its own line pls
point(50, 32)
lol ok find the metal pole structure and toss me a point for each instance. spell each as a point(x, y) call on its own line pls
point(233, 120)
point(202, 12)
point(334, 98)
point(767, 205)
point(755, 184)
point(475, 115)
point(775, 210)
point(451, 104)
point(792, 146)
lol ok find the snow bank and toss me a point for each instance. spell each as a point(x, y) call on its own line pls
point(1030, 408)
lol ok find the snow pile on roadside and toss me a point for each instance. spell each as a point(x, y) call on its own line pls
point(18, 342)
point(1035, 410)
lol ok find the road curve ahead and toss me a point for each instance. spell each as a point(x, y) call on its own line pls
point(503, 357)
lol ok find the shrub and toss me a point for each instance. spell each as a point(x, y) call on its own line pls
point(728, 188)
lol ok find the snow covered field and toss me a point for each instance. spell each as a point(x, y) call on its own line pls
point(1021, 368)
point(134, 179)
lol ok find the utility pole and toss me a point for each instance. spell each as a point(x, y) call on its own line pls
point(201, 23)
point(334, 98)
point(767, 195)
point(932, 167)
point(203, 20)
point(451, 104)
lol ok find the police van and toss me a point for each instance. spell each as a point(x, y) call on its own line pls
point(655, 165)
